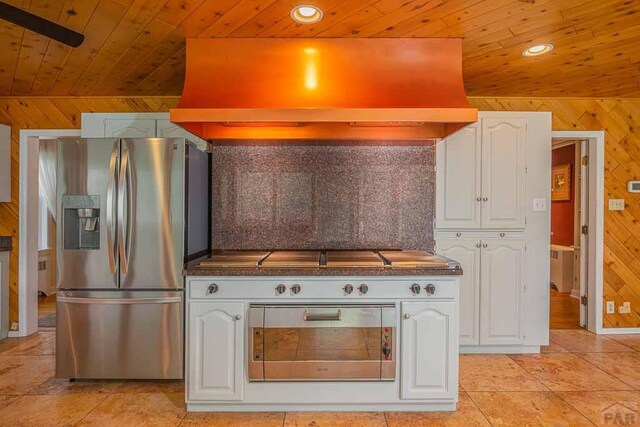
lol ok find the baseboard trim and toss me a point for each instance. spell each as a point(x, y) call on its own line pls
point(356, 407)
point(619, 331)
point(13, 334)
point(501, 349)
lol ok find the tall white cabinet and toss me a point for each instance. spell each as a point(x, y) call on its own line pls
point(488, 177)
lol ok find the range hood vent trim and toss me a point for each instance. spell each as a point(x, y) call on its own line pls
point(255, 89)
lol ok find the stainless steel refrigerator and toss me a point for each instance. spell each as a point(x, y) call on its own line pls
point(129, 213)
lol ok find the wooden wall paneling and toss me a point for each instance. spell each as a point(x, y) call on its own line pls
point(618, 117)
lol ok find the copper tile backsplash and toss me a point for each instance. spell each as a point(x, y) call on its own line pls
point(323, 197)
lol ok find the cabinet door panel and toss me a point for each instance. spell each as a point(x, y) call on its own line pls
point(429, 367)
point(458, 180)
point(130, 128)
point(166, 129)
point(503, 169)
point(216, 343)
point(502, 292)
point(467, 254)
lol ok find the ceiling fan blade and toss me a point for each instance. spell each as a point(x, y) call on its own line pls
point(40, 25)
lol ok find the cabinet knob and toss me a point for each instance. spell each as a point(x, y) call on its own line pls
point(484, 245)
point(484, 199)
point(430, 288)
point(415, 289)
point(348, 288)
point(458, 234)
point(478, 199)
point(212, 289)
point(296, 289)
point(237, 317)
point(406, 316)
point(502, 234)
point(363, 288)
point(478, 245)
point(281, 289)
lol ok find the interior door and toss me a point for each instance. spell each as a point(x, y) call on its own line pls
point(86, 195)
point(502, 290)
point(151, 213)
point(503, 169)
point(458, 180)
point(467, 253)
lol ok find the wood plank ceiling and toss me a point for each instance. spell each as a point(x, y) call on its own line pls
point(136, 47)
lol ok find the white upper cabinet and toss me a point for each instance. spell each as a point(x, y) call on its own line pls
point(503, 169)
point(480, 176)
point(5, 163)
point(503, 292)
point(458, 179)
point(141, 128)
point(216, 346)
point(429, 336)
point(135, 125)
point(467, 253)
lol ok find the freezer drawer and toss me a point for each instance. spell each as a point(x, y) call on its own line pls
point(119, 335)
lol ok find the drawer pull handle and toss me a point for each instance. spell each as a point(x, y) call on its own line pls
point(458, 234)
point(502, 234)
point(212, 289)
point(484, 245)
point(237, 317)
point(406, 316)
point(322, 317)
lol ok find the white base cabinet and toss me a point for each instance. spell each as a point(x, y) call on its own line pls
point(216, 337)
point(426, 352)
point(428, 333)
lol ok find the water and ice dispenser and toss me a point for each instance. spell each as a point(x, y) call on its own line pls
point(81, 222)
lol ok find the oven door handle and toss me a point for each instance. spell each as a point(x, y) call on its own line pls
point(322, 317)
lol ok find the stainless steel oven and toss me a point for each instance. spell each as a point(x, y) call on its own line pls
point(322, 342)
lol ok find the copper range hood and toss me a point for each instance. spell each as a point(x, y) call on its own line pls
point(323, 89)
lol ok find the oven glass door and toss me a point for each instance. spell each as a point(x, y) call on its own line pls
point(327, 343)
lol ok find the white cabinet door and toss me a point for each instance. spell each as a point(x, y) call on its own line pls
point(216, 348)
point(458, 180)
point(130, 128)
point(5, 163)
point(166, 129)
point(502, 292)
point(467, 253)
point(429, 367)
point(503, 169)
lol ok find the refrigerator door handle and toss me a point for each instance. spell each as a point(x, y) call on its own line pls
point(123, 212)
point(111, 185)
point(120, 301)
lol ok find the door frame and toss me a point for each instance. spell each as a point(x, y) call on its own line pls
point(595, 250)
point(27, 226)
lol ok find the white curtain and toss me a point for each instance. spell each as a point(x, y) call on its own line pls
point(47, 174)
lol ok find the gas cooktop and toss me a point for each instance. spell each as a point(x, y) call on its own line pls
point(325, 259)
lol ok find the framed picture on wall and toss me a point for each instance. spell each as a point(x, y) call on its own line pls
point(561, 183)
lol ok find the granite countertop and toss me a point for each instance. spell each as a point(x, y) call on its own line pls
point(193, 269)
point(5, 243)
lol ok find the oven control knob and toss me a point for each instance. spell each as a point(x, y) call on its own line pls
point(415, 289)
point(430, 288)
point(281, 289)
point(363, 288)
point(296, 289)
point(348, 288)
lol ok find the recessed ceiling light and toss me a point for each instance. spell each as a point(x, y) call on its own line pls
point(306, 14)
point(537, 50)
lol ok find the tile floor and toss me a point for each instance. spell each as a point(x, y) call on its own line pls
point(573, 382)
